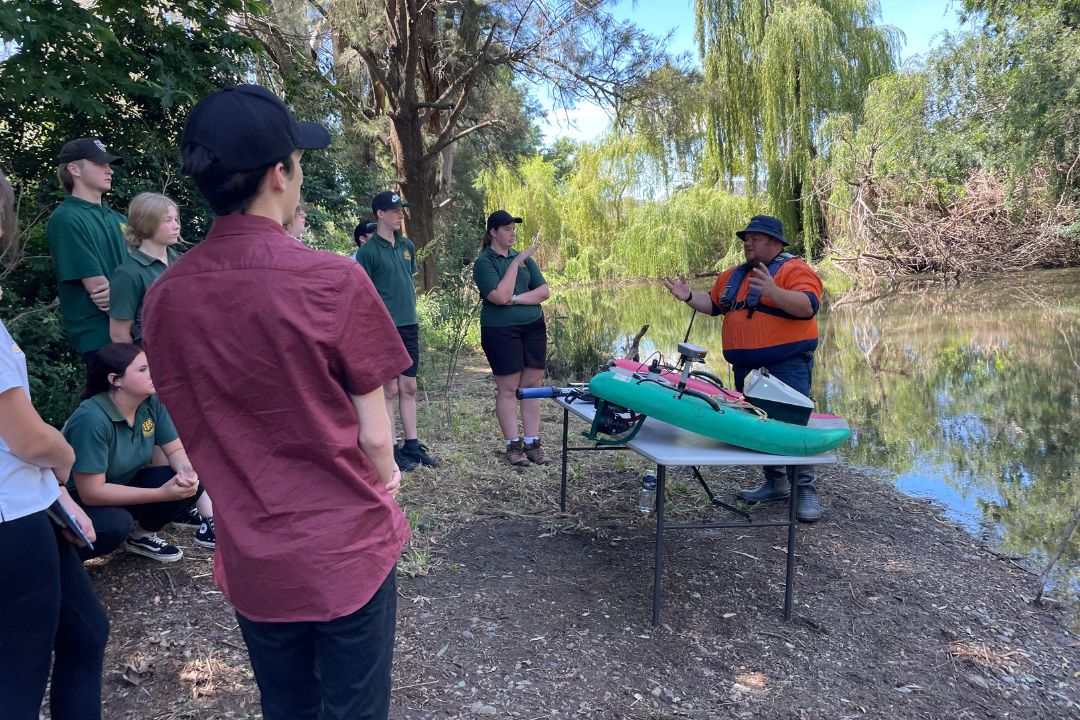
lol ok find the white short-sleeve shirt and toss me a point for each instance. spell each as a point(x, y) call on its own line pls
point(24, 488)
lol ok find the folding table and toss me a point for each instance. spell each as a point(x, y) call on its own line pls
point(667, 445)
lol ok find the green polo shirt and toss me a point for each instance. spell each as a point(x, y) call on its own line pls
point(105, 443)
point(85, 240)
point(488, 270)
point(391, 268)
point(129, 284)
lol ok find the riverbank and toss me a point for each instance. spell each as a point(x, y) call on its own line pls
point(509, 608)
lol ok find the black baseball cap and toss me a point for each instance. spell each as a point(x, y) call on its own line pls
point(366, 227)
point(90, 149)
point(246, 127)
point(387, 200)
point(500, 217)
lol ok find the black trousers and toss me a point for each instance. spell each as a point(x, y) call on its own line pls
point(114, 524)
point(48, 606)
point(333, 670)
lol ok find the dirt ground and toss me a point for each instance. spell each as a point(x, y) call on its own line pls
point(509, 608)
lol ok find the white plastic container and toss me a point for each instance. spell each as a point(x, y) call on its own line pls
point(778, 399)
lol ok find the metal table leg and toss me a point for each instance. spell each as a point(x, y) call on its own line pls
point(793, 502)
point(658, 570)
point(565, 436)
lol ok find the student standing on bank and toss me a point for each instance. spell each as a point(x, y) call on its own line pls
point(280, 404)
point(86, 240)
point(115, 432)
point(50, 617)
point(152, 234)
point(512, 332)
point(362, 233)
point(390, 261)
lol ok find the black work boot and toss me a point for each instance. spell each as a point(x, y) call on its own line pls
point(775, 488)
point(808, 506)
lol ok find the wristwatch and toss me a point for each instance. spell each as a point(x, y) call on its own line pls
point(513, 299)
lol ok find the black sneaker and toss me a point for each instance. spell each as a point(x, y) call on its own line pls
point(154, 547)
point(204, 536)
point(403, 462)
point(190, 518)
point(417, 453)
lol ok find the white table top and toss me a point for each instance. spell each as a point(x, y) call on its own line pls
point(666, 444)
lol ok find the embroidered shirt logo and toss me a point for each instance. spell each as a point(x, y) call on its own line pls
point(407, 255)
point(16, 349)
point(148, 427)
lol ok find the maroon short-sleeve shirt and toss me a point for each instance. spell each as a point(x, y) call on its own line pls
point(255, 344)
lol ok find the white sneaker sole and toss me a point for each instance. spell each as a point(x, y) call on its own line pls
point(154, 556)
point(208, 545)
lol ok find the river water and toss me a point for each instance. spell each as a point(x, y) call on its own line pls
point(967, 395)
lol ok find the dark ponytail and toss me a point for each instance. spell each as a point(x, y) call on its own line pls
point(113, 359)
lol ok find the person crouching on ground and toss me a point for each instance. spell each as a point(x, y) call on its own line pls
point(115, 432)
point(152, 233)
point(512, 332)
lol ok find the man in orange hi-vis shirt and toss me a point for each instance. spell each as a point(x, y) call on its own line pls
point(770, 305)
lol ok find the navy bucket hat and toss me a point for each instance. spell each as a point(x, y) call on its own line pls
point(766, 224)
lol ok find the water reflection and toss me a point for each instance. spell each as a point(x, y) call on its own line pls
point(968, 395)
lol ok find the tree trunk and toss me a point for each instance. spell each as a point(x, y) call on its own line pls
point(416, 178)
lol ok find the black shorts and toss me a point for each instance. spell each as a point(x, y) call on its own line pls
point(410, 335)
point(509, 348)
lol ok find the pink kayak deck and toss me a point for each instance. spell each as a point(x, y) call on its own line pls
point(816, 419)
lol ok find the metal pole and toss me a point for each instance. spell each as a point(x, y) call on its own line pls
point(658, 569)
point(565, 432)
point(693, 314)
point(793, 502)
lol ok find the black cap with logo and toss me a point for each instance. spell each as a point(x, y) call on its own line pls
point(387, 200)
point(247, 127)
point(90, 149)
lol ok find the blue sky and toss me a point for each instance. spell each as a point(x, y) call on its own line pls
point(921, 21)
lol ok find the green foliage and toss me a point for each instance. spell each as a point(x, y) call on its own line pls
point(776, 70)
point(29, 311)
point(593, 220)
point(691, 231)
point(124, 71)
point(578, 344)
point(1016, 83)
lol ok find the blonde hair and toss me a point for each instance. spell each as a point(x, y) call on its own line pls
point(145, 215)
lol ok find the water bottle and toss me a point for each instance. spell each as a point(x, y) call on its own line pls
point(647, 496)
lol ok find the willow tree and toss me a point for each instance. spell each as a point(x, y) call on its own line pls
point(776, 70)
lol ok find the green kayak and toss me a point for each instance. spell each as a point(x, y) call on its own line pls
point(730, 423)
